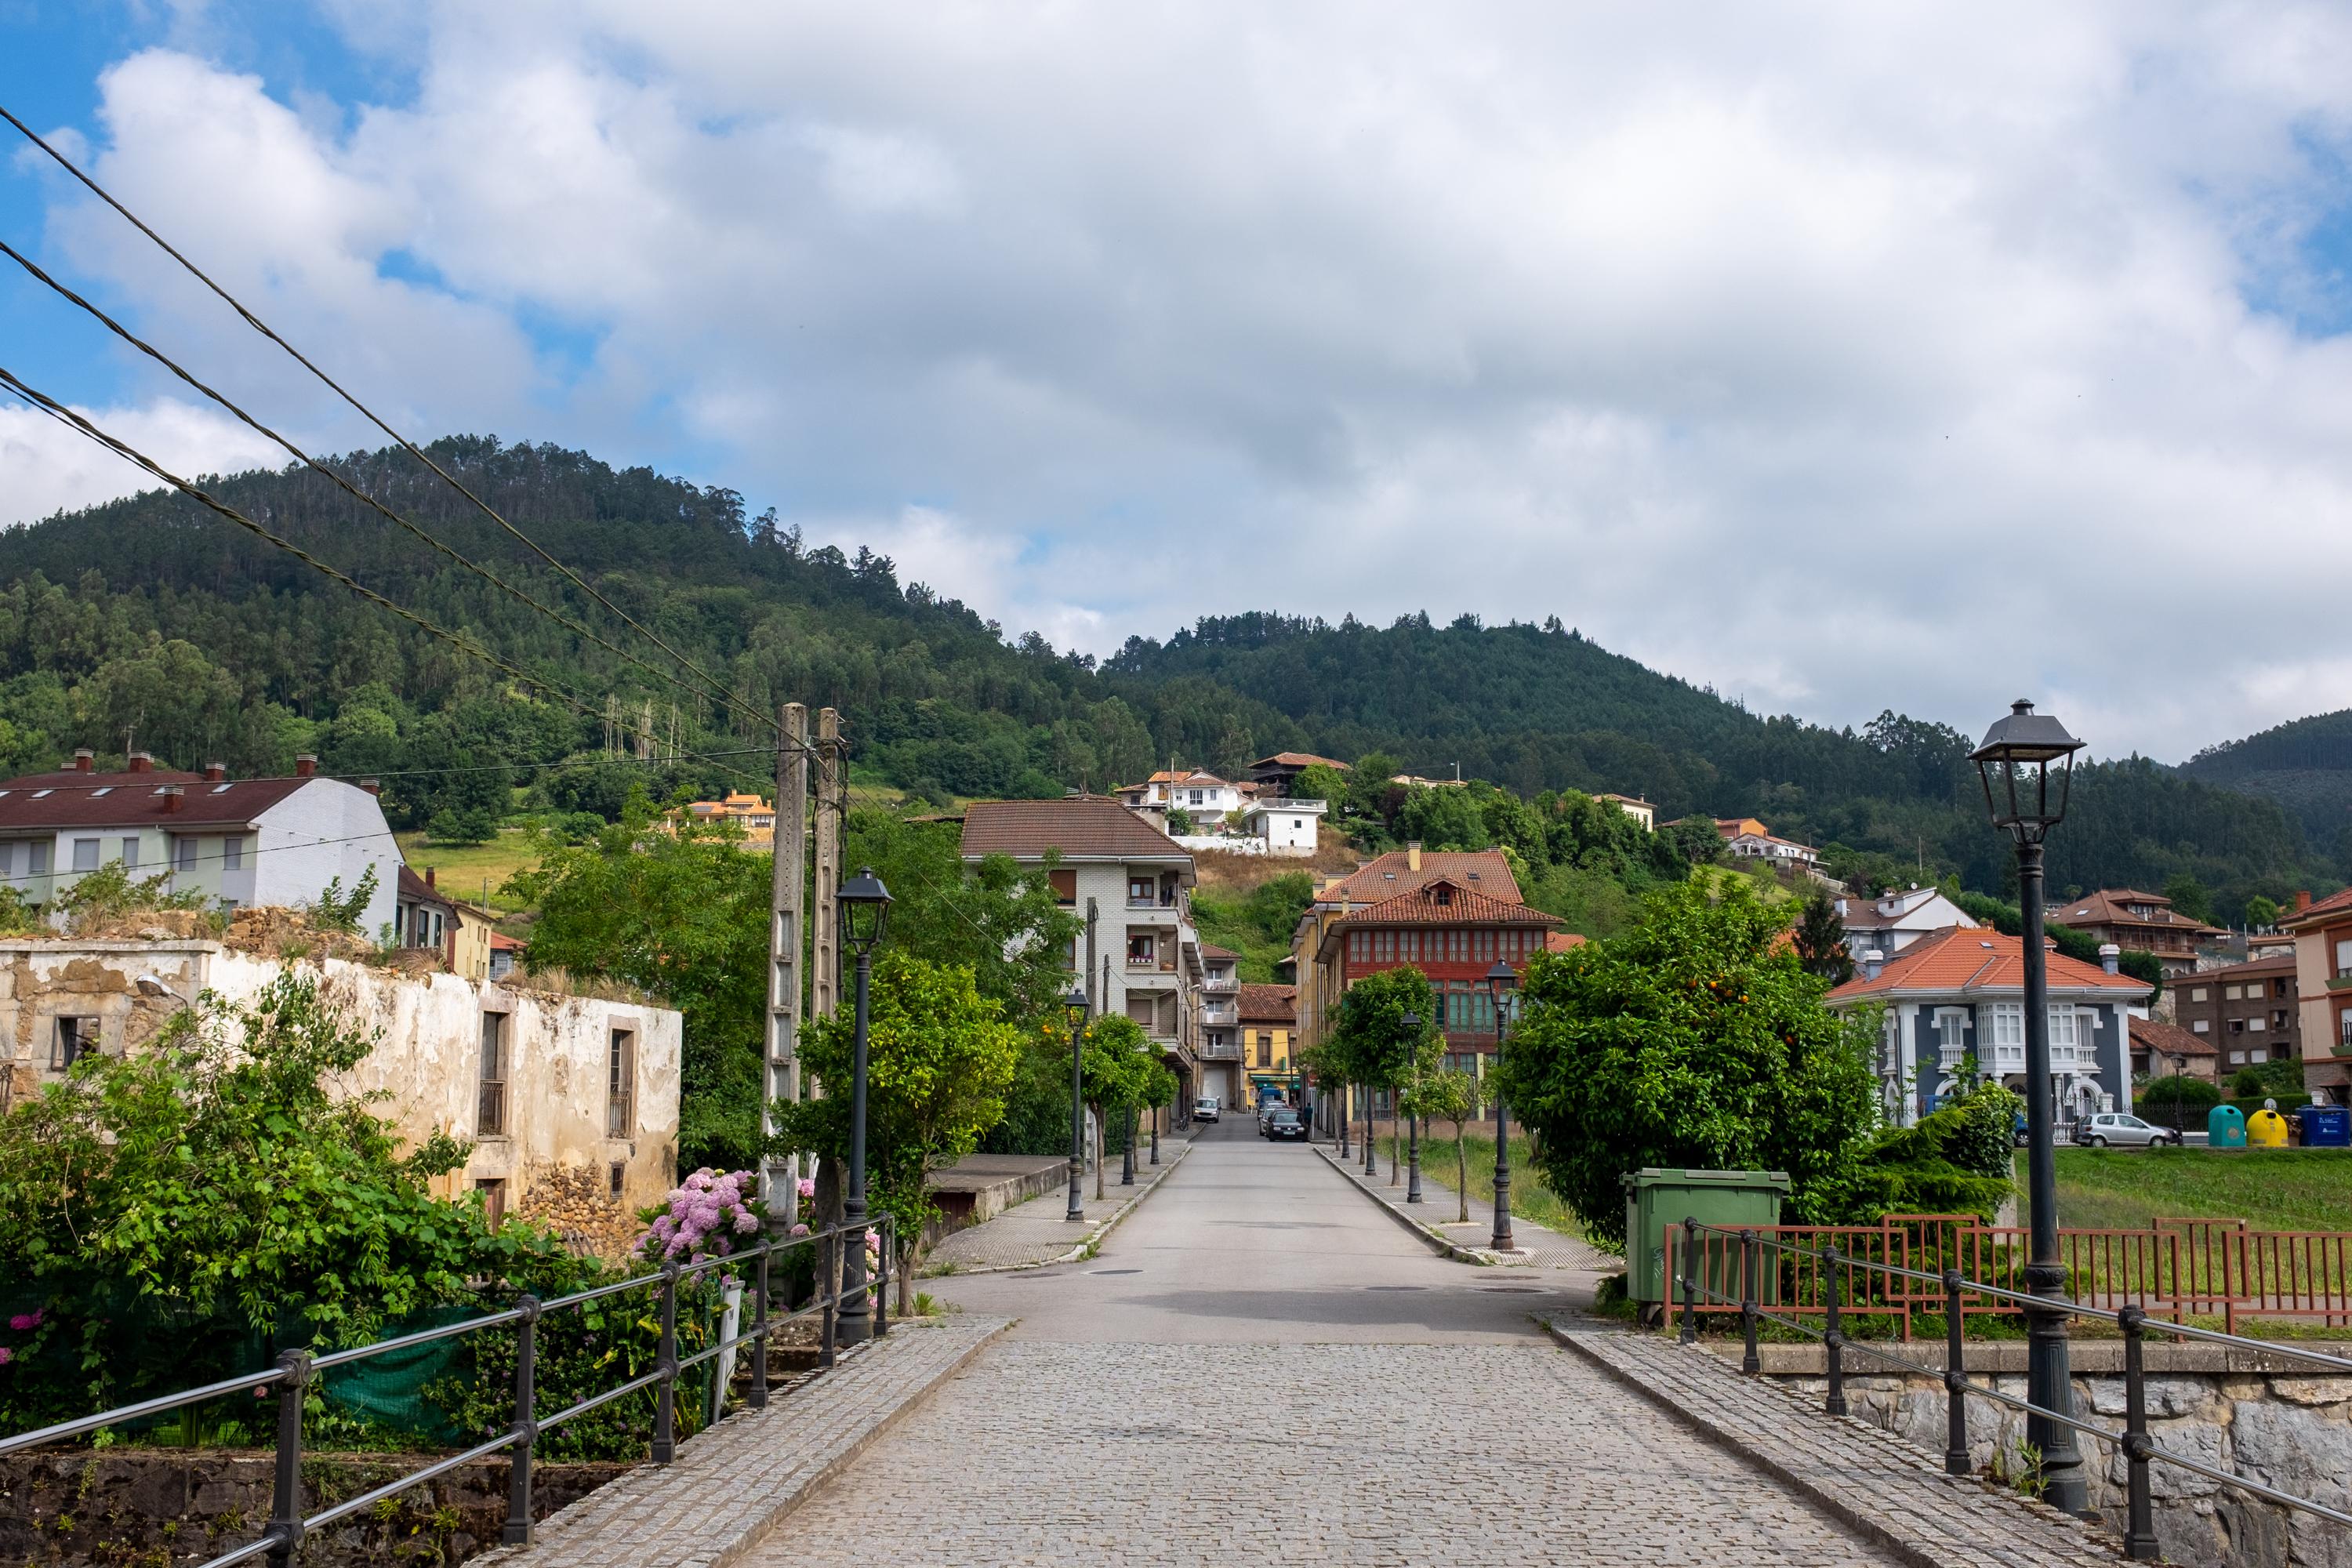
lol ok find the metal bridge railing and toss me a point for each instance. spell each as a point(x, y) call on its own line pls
point(287, 1524)
point(2139, 1450)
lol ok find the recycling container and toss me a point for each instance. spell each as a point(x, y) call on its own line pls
point(2225, 1127)
point(1658, 1200)
point(2326, 1127)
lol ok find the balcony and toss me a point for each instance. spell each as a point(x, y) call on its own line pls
point(1168, 904)
point(1151, 965)
point(1215, 1015)
point(1220, 1051)
point(1221, 985)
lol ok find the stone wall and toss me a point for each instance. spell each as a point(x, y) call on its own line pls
point(154, 1508)
point(2264, 1417)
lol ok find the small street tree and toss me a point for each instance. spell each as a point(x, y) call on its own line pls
point(1692, 1038)
point(939, 1057)
point(1453, 1095)
point(1114, 1065)
point(1370, 1033)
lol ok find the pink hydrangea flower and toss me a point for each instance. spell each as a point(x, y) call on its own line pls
point(6, 1355)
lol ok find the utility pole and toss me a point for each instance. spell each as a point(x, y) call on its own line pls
point(1094, 1002)
point(824, 913)
point(780, 1174)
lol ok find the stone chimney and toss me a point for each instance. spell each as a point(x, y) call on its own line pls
point(1413, 855)
point(428, 876)
point(172, 796)
point(372, 786)
point(2302, 899)
point(140, 762)
point(2111, 958)
point(1873, 963)
point(216, 772)
point(85, 759)
point(306, 765)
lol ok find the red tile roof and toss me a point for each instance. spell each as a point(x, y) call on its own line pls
point(1483, 870)
point(1210, 949)
point(2106, 908)
point(1563, 941)
point(1981, 959)
point(2334, 904)
point(411, 888)
point(1300, 760)
point(1269, 1003)
point(2170, 1039)
point(1440, 902)
point(1090, 827)
point(2277, 963)
point(75, 799)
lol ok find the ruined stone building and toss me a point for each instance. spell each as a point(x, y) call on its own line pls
point(552, 1089)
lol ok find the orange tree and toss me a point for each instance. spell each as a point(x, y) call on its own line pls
point(1693, 1038)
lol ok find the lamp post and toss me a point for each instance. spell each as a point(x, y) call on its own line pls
point(1075, 1004)
point(2180, 1066)
point(1501, 982)
point(1411, 1022)
point(1371, 1164)
point(2022, 757)
point(1339, 1111)
point(865, 911)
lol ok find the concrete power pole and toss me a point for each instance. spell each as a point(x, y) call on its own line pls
point(824, 914)
point(780, 1174)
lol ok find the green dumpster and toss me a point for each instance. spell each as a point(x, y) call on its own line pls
point(1657, 1200)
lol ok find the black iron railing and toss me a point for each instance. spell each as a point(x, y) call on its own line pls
point(2139, 1450)
point(287, 1524)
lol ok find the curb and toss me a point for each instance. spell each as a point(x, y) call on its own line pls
point(1864, 1521)
point(1102, 1228)
point(1445, 1246)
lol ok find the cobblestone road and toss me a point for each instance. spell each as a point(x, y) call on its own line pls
point(1172, 1401)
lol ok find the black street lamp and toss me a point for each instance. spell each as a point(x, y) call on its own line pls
point(1075, 1004)
point(2180, 1066)
point(865, 911)
point(1411, 1022)
point(1372, 1166)
point(2022, 756)
point(1339, 1109)
point(1501, 982)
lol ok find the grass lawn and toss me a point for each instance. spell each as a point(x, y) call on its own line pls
point(460, 870)
point(2271, 1189)
point(1530, 1199)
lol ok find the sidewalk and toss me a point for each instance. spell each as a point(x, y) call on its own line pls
point(1033, 1234)
point(1539, 1246)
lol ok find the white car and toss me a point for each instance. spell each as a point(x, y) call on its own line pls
point(1205, 1108)
point(2123, 1131)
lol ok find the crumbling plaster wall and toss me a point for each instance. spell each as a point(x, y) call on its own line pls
point(427, 1062)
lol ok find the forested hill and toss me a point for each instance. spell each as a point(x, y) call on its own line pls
point(2305, 767)
point(152, 618)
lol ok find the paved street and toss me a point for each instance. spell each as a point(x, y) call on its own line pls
point(1260, 1365)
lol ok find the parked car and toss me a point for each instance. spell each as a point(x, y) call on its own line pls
point(2123, 1131)
point(1205, 1108)
point(1282, 1123)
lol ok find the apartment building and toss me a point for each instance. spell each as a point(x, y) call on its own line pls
point(1131, 884)
point(2247, 1012)
point(2323, 983)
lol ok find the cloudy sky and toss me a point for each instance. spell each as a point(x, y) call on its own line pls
point(1844, 356)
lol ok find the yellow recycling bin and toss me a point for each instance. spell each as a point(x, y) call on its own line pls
point(2266, 1129)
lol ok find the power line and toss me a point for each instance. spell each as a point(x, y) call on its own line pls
point(124, 449)
point(128, 336)
point(259, 326)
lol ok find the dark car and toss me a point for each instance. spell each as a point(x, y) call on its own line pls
point(1282, 1122)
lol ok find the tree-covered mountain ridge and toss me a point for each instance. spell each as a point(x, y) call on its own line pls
point(150, 619)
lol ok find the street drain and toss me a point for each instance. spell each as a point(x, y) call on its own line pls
point(1113, 1271)
point(1512, 1290)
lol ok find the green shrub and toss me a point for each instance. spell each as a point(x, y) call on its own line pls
point(1954, 1160)
point(2194, 1097)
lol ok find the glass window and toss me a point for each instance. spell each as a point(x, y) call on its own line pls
point(183, 852)
point(74, 1037)
point(85, 853)
point(2344, 956)
point(2198, 994)
point(2200, 1028)
point(38, 860)
point(131, 854)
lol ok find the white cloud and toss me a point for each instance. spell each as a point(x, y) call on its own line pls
point(1846, 356)
point(50, 466)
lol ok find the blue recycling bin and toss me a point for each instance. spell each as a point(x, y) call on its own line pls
point(2225, 1127)
point(2326, 1127)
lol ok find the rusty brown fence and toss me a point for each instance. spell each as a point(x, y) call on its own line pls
point(2177, 1270)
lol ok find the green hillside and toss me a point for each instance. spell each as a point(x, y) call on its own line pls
point(2305, 767)
point(150, 619)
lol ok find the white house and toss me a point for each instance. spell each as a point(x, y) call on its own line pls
point(1288, 826)
point(1131, 884)
point(1892, 922)
point(1204, 796)
point(1635, 806)
point(238, 842)
point(1960, 994)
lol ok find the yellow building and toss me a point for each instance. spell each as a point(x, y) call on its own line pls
point(1269, 1024)
point(757, 816)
